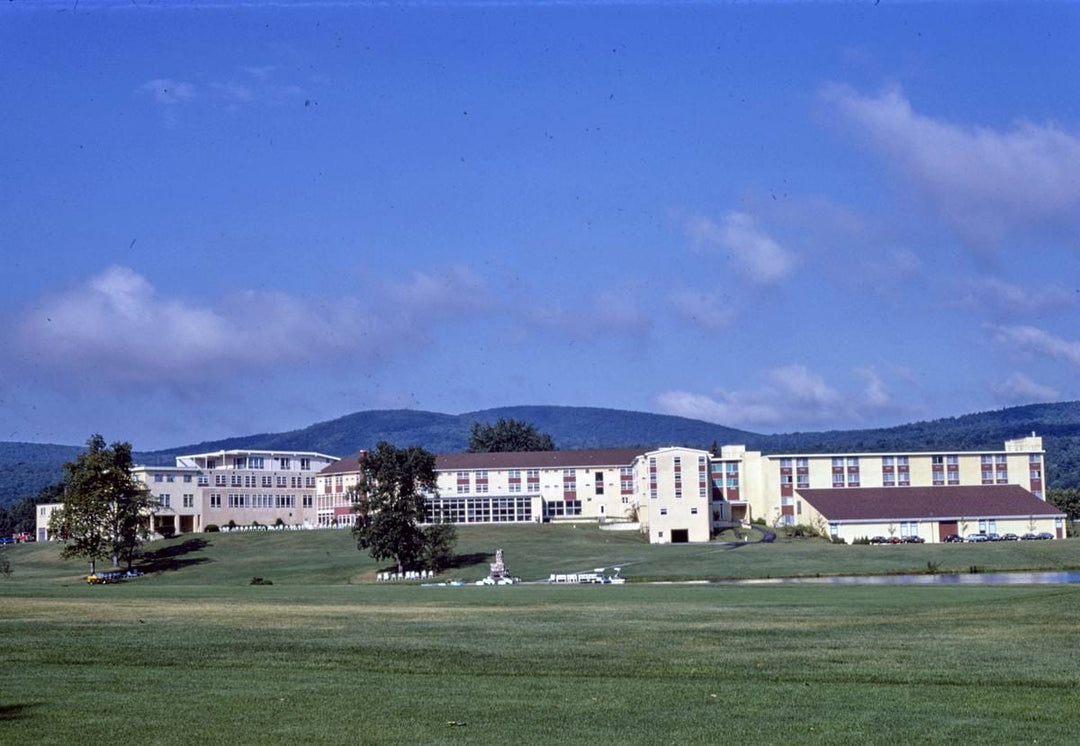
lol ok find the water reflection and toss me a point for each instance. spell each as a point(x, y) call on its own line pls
point(988, 578)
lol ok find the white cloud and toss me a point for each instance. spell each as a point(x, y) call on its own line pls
point(705, 310)
point(1007, 297)
point(1020, 389)
point(986, 183)
point(875, 394)
point(606, 313)
point(169, 91)
point(790, 397)
point(754, 253)
point(457, 290)
point(1034, 340)
point(117, 329)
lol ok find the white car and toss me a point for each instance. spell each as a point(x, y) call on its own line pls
point(974, 538)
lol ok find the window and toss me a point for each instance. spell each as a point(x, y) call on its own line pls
point(305, 464)
point(285, 463)
point(838, 480)
point(215, 500)
point(158, 478)
point(888, 461)
point(219, 480)
point(785, 463)
point(204, 480)
point(189, 501)
point(837, 462)
point(187, 479)
point(853, 461)
point(693, 511)
point(515, 486)
point(282, 480)
point(952, 460)
point(307, 501)
point(937, 460)
point(163, 500)
point(234, 481)
point(255, 462)
point(902, 461)
point(211, 463)
point(663, 511)
point(240, 462)
point(267, 481)
point(802, 463)
point(170, 478)
point(599, 481)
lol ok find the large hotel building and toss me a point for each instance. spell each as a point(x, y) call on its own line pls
point(673, 494)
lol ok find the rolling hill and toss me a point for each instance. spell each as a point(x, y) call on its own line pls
point(27, 467)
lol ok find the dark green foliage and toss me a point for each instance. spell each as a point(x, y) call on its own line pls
point(211, 528)
point(1067, 501)
point(439, 541)
point(260, 581)
point(390, 506)
point(506, 436)
point(105, 509)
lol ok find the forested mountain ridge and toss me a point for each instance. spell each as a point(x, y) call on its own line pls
point(27, 467)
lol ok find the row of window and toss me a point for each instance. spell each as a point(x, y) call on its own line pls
point(258, 500)
point(478, 510)
point(284, 463)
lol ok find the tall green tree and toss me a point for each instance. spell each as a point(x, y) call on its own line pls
point(1067, 501)
point(106, 511)
point(389, 501)
point(507, 435)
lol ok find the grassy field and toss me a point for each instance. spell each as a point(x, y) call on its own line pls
point(193, 653)
point(533, 552)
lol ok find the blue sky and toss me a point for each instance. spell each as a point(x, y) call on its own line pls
point(224, 218)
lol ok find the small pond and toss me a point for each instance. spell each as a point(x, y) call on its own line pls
point(982, 578)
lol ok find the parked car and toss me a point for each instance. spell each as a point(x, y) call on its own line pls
point(895, 540)
point(880, 540)
point(993, 537)
point(953, 539)
point(914, 540)
point(1010, 537)
point(1044, 535)
point(976, 538)
point(6, 540)
point(1028, 537)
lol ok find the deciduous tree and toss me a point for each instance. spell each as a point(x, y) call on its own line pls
point(105, 511)
point(389, 501)
point(508, 435)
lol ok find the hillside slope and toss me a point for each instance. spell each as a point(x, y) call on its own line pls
point(27, 467)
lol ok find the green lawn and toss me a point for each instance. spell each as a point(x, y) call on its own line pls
point(533, 552)
point(194, 654)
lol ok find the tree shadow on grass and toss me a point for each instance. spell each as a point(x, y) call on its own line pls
point(18, 712)
point(171, 558)
point(462, 561)
point(459, 562)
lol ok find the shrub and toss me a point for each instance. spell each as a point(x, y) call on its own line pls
point(167, 532)
point(758, 522)
point(861, 540)
point(211, 528)
point(261, 581)
point(279, 522)
point(837, 540)
point(231, 524)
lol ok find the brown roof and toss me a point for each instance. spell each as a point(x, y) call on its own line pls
point(908, 503)
point(516, 460)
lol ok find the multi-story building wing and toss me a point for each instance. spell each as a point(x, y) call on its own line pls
point(241, 487)
point(675, 494)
